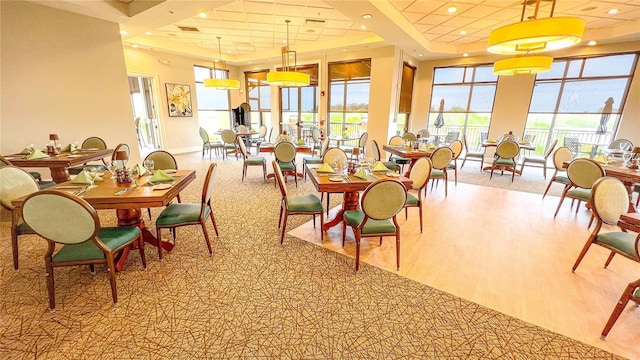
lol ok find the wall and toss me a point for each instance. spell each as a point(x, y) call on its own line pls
point(62, 73)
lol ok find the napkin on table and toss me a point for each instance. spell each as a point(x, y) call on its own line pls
point(160, 175)
point(361, 173)
point(141, 170)
point(379, 166)
point(325, 168)
point(25, 151)
point(69, 148)
point(492, 140)
point(600, 159)
point(83, 179)
point(37, 154)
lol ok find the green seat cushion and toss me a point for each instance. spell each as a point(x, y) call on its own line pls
point(505, 162)
point(391, 165)
point(625, 242)
point(311, 160)
point(355, 218)
point(304, 203)
point(411, 199)
point(255, 160)
point(400, 160)
point(287, 166)
point(451, 166)
point(176, 214)
point(113, 237)
point(582, 194)
point(562, 179)
point(437, 174)
point(229, 146)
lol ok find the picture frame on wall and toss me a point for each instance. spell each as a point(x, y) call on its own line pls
point(179, 100)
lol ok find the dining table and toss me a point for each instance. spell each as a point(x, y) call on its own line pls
point(128, 199)
point(59, 164)
point(350, 186)
point(340, 140)
point(523, 146)
point(410, 153)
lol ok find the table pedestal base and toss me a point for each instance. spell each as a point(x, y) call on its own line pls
point(133, 217)
point(350, 201)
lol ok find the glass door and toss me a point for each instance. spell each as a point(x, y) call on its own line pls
point(145, 119)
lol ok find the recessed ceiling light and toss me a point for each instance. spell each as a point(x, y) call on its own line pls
point(228, 51)
point(134, 46)
point(420, 55)
point(123, 32)
point(613, 11)
point(344, 49)
point(465, 54)
point(202, 14)
point(452, 9)
point(362, 27)
point(367, 16)
point(284, 41)
point(592, 43)
point(463, 32)
point(147, 33)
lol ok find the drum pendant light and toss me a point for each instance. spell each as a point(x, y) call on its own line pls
point(288, 76)
point(222, 83)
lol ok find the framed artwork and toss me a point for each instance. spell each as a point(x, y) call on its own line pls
point(179, 100)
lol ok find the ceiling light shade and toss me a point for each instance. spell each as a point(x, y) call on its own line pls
point(221, 84)
point(523, 65)
point(288, 76)
point(533, 35)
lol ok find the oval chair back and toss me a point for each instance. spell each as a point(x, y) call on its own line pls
point(456, 148)
point(609, 199)
point(396, 141)
point(420, 173)
point(262, 132)
point(384, 199)
point(204, 135)
point(363, 140)
point(94, 142)
point(228, 136)
point(325, 146)
point(441, 157)
point(162, 160)
point(285, 152)
point(330, 155)
point(560, 156)
point(424, 133)
point(626, 144)
point(242, 129)
point(315, 135)
point(409, 136)
point(508, 149)
point(376, 150)
point(243, 149)
point(584, 172)
point(15, 183)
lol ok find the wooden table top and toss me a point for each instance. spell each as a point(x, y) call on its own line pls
point(406, 152)
point(65, 159)
point(104, 195)
point(353, 184)
point(630, 222)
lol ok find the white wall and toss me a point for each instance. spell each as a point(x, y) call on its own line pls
point(61, 73)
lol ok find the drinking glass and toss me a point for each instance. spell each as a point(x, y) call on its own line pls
point(91, 173)
point(626, 156)
point(113, 168)
point(135, 174)
point(149, 165)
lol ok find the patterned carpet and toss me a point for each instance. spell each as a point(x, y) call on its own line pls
point(253, 299)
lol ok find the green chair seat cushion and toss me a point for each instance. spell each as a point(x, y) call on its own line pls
point(505, 162)
point(311, 160)
point(391, 165)
point(255, 160)
point(451, 166)
point(562, 179)
point(178, 213)
point(229, 146)
point(437, 174)
point(474, 154)
point(308, 203)
point(582, 194)
point(112, 237)
point(287, 166)
point(355, 218)
point(411, 199)
point(400, 160)
point(622, 241)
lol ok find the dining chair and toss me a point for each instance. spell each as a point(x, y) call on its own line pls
point(424, 133)
point(69, 220)
point(398, 141)
point(208, 144)
point(184, 214)
point(528, 139)
point(408, 136)
point(582, 173)
point(242, 129)
point(332, 157)
point(419, 175)
point(285, 154)
point(630, 293)
point(92, 142)
point(308, 204)
point(573, 144)
point(249, 160)
point(391, 165)
point(315, 159)
point(256, 141)
point(317, 143)
point(440, 158)
point(456, 148)
point(451, 137)
point(621, 144)
point(42, 184)
point(560, 156)
point(469, 154)
point(540, 160)
point(162, 160)
point(362, 144)
point(505, 157)
point(230, 145)
point(14, 184)
point(379, 205)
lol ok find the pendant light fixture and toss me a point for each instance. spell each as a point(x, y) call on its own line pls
point(222, 83)
point(533, 35)
point(288, 76)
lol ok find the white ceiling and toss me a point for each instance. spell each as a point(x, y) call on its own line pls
point(253, 30)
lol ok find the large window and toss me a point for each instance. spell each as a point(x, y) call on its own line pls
point(580, 98)
point(214, 110)
point(299, 105)
point(349, 97)
point(462, 101)
point(258, 97)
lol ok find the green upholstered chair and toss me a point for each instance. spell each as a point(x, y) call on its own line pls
point(630, 293)
point(419, 175)
point(391, 165)
point(380, 204)
point(315, 159)
point(582, 173)
point(456, 148)
point(285, 154)
point(230, 144)
point(362, 145)
point(92, 142)
point(408, 136)
point(308, 204)
point(208, 144)
point(398, 141)
point(42, 184)
point(440, 159)
point(162, 160)
point(262, 137)
point(626, 145)
point(560, 156)
point(470, 154)
point(16, 183)
point(424, 133)
point(249, 160)
point(331, 157)
point(62, 218)
point(505, 157)
point(540, 160)
point(181, 214)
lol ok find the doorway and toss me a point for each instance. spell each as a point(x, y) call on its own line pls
point(145, 114)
